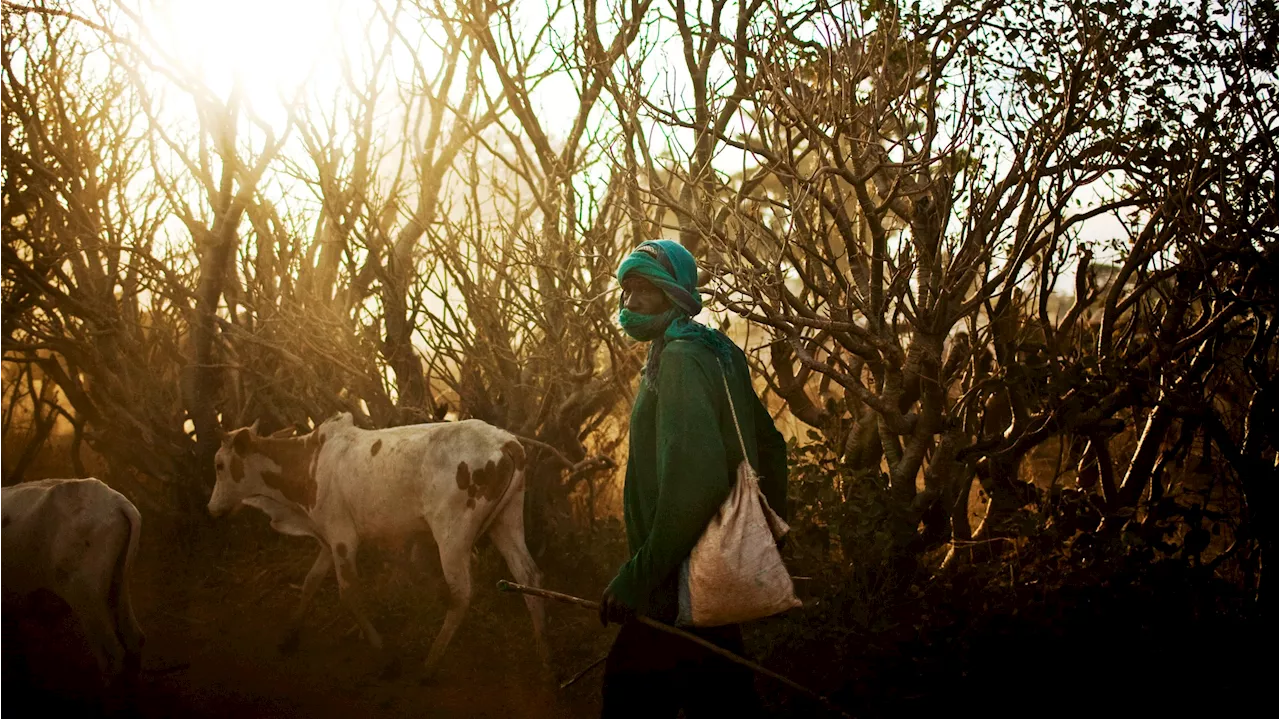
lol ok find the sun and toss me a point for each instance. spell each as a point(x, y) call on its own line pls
point(271, 48)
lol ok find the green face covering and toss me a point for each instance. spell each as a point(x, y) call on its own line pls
point(646, 328)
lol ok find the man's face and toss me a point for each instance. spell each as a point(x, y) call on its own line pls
point(641, 296)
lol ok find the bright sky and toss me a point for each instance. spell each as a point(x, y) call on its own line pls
point(278, 38)
point(271, 47)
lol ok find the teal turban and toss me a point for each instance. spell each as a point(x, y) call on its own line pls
point(670, 267)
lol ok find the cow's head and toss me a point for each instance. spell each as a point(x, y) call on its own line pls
point(280, 468)
point(237, 478)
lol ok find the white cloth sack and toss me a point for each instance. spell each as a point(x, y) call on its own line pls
point(735, 573)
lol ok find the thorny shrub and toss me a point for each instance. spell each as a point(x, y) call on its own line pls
point(884, 629)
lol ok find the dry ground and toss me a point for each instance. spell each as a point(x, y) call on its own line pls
point(214, 606)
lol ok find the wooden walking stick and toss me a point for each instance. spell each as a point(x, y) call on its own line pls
point(505, 586)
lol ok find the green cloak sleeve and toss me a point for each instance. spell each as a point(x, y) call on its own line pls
point(693, 475)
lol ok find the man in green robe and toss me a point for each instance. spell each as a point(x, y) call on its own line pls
point(684, 452)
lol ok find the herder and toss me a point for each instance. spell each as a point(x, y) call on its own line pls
point(683, 453)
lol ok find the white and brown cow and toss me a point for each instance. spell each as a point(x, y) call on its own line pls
point(344, 485)
point(77, 538)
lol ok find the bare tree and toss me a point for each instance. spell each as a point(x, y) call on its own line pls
point(911, 200)
point(89, 294)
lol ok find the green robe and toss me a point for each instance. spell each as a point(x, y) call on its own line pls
point(684, 454)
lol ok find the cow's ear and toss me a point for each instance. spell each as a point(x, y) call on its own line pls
point(240, 441)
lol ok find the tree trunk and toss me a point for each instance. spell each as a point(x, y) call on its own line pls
point(205, 374)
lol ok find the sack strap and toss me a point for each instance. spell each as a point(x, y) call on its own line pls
point(724, 376)
point(777, 526)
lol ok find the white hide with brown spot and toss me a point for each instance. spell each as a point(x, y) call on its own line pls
point(77, 538)
point(344, 485)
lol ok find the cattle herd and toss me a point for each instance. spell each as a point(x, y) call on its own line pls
point(339, 484)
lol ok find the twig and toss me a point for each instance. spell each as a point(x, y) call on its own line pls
point(15, 7)
point(589, 464)
point(505, 586)
point(976, 542)
point(551, 450)
point(565, 684)
point(575, 468)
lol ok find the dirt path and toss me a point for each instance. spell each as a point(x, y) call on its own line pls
point(213, 618)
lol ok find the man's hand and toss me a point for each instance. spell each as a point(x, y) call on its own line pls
point(613, 609)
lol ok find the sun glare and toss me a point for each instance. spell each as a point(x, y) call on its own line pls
point(271, 48)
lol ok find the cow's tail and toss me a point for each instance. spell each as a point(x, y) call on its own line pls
point(514, 487)
point(131, 635)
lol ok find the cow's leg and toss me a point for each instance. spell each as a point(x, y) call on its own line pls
point(88, 601)
point(319, 570)
point(131, 635)
point(344, 559)
point(507, 534)
point(455, 564)
point(123, 700)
